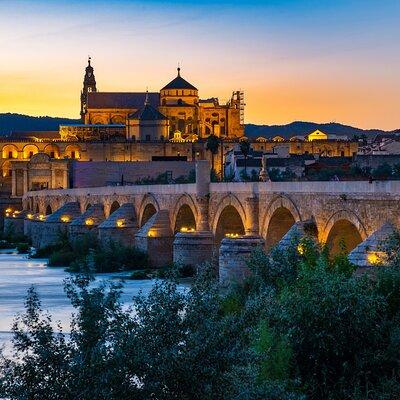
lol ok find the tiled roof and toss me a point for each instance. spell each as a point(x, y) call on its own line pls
point(179, 83)
point(121, 99)
point(147, 113)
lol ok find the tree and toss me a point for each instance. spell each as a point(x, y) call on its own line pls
point(212, 145)
point(245, 149)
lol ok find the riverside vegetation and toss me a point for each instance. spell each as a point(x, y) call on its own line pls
point(303, 326)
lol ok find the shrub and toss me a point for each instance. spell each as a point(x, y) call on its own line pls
point(23, 248)
point(61, 258)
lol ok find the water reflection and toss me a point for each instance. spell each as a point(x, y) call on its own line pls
point(18, 273)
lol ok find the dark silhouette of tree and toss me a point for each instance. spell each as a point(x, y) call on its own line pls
point(245, 149)
point(212, 145)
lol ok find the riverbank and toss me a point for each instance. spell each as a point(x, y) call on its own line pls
point(18, 273)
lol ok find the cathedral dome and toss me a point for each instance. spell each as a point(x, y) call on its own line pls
point(179, 83)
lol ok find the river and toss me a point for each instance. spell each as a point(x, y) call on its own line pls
point(18, 273)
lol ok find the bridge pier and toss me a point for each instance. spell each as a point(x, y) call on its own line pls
point(87, 222)
point(233, 256)
point(193, 248)
point(297, 232)
point(33, 227)
point(156, 239)
point(371, 253)
point(14, 222)
point(57, 223)
point(121, 226)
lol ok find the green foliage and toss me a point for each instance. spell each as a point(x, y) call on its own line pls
point(383, 171)
point(78, 254)
point(301, 327)
point(23, 248)
point(277, 175)
point(276, 353)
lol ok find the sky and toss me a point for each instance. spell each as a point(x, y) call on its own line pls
point(308, 60)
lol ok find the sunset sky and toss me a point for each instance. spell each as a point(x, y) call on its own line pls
point(310, 60)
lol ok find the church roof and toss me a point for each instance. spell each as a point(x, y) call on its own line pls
point(121, 99)
point(147, 113)
point(179, 83)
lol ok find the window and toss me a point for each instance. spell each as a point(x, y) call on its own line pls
point(30, 154)
point(147, 138)
point(52, 155)
point(10, 154)
point(73, 154)
point(180, 102)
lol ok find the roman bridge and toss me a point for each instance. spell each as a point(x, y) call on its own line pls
point(195, 218)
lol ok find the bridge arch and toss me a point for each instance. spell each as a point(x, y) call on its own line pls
point(280, 216)
point(185, 214)
point(9, 151)
point(230, 217)
point(49, 210)
point(114, 206)
point(343, 227)
point(52, 150)
point(148, 207)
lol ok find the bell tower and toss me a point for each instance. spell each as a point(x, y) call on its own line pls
point(89, 85)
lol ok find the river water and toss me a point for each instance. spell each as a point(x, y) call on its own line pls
point(18, 273)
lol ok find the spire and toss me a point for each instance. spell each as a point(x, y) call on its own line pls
point(146, 100)
point(179, 69)
point(89, 85)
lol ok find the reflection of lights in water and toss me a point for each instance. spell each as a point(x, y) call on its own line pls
point(376, 257)
point(232, 235)
point(65, 218)
point(8, 210)
point(185, 229)
point(300, 249)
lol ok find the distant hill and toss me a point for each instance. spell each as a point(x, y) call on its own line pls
point(303, 128)
point(19, 122)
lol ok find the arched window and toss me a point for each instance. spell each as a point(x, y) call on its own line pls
point(180, 102)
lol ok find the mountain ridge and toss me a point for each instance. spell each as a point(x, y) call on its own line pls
point(20, 122)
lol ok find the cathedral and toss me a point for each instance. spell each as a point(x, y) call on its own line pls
point(176, 111)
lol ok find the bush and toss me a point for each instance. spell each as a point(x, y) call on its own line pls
point(139, 275)
point(301, 327)
point(61, 258)
point(23, 248)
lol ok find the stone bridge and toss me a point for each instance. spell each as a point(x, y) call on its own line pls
point(189, 221)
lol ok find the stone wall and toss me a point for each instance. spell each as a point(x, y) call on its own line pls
point(100, 173)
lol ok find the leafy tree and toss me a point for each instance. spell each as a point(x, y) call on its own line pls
point(212, 145)
point(245, 149)
point(383, 171)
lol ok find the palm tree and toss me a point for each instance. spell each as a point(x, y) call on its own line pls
point(212, 145)
point(245, 149)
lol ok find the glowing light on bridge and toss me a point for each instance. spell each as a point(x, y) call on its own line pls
point(65, 218)
point(120, 223)
point(186, 229)
point(29, 216)
point(89, 221)
point(376, 258)
point(232, 235)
